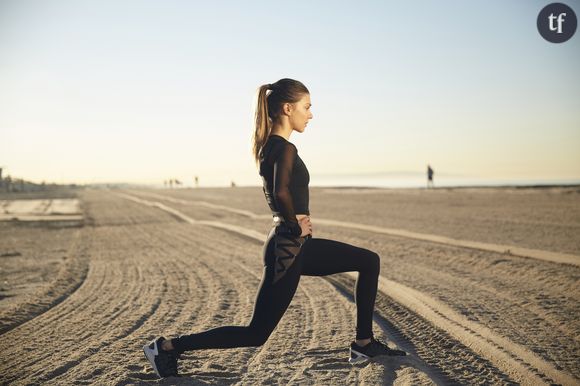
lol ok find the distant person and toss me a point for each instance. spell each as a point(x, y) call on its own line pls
point(196, 181)
point(289, 251)
point(430, 173)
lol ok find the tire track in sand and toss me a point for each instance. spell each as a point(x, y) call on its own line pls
point(214, 306)
point(102, 364)
point(70, 277)
point(555, 257)
point(173, 309)
point(515, 360)
point(75, 330)
point(260, 238)
point(315, 304)
point(511, 298)
point(453, 361)
point(85, 317)
point(186, 280)
point(231, 307)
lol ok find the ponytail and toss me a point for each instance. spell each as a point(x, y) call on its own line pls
point(261, 121)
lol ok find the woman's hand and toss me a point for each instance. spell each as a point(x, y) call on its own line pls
point(306, 226)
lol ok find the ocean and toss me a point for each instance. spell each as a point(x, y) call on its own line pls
point(416, 181)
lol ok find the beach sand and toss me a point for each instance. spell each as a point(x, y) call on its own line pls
point(480, 286)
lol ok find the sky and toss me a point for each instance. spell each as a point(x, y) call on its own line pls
point(141, 91)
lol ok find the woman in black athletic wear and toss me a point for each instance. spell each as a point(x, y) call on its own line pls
point(290, 250)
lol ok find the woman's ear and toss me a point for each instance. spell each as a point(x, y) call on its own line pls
point(287, 108)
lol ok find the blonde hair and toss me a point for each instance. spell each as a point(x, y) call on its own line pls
point(269, 108)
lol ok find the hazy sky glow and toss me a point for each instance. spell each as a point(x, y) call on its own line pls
point(140, 91)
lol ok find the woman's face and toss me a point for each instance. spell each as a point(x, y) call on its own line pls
point(300, 114)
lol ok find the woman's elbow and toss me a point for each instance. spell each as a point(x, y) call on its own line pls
point(282, 195)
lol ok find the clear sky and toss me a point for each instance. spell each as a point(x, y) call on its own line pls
point(141, 91)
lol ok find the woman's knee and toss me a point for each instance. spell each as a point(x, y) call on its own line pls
point(262, 339)
point(258, 336)
point(374, 262)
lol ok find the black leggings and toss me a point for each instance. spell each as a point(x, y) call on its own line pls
point(285, 259)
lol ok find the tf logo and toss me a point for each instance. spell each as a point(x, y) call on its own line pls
point(557, 22)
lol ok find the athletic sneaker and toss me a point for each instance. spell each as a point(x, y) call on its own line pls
point(373, 349)
point(163, 362)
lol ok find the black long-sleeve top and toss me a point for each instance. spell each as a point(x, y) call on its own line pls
point(285, 179)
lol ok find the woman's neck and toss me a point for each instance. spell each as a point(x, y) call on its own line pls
point(282, 131)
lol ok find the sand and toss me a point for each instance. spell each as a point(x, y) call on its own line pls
point(79, 302)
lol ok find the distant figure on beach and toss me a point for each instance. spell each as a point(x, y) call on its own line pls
point(430, 173)
point(290, 251)
point(233, 184)
point(196, 181)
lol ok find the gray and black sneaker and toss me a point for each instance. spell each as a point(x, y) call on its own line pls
point(163, 362)
point(373, 349)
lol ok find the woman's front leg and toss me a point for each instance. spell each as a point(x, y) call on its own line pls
point(323, 257)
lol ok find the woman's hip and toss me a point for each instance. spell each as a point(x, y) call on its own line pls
point(282, 251)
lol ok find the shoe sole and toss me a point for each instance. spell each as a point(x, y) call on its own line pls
point(150, 355)
point(360, 357)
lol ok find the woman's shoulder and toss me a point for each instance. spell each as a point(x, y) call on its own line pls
point(288, 149)
point(278, 147)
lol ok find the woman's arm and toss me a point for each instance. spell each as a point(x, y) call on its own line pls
point(281, 189)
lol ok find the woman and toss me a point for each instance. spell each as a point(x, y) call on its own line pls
point(290, 251)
